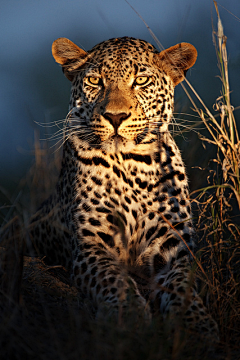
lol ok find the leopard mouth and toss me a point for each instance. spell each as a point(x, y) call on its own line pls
point(117, 139)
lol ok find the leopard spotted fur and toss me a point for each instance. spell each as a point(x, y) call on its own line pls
point(120, 216)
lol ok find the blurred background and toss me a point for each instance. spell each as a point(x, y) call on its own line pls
point(33, 88)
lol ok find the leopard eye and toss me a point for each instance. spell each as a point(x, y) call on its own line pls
point(141, 80)
point(93, 80)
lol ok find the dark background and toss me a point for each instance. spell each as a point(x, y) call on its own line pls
point(33, 89)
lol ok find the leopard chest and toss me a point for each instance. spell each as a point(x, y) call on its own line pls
point(118, 182)
point(126, 193)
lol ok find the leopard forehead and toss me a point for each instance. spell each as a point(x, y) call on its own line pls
point(115, 53)
point(124, 45)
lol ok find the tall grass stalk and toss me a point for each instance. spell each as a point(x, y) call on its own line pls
point(219, 202)
point(223, 133)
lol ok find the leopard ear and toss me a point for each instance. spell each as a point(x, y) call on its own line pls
point(177, 60)
point(69, 55)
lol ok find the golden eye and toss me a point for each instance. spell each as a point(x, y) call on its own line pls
point(93, 80)
point(141, 80)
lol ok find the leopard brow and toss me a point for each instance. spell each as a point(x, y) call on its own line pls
point(93, 74)
point(143, 69)
point(143, 72)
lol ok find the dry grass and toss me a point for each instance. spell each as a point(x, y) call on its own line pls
point(43, 317)
point(218, 224)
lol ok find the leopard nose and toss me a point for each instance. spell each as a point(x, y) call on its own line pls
point(116, 119)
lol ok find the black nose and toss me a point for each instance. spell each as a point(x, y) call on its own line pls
point(116, 119)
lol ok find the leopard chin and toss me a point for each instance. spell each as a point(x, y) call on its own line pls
point(118, 143)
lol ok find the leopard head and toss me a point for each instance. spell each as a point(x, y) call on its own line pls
point(122, 89)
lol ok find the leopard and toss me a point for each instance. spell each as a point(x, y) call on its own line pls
point(120, 218)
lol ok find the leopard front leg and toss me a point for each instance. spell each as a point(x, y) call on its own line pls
point(99, 274)
point(172, 285)
point(176, 297)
